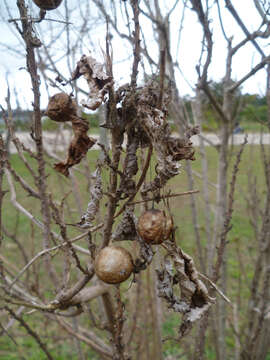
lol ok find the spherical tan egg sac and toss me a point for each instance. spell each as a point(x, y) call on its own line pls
point(154, 227)
point(113, 264)
point(47, 4)
point(61, 107)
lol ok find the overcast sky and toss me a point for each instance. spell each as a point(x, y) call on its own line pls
point(12, 63)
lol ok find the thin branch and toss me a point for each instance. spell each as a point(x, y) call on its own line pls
point(30, 331)
point(165, 197)
point(104, 350)
point(197, 6)
point(136, 46)
point(46, 251)
point(217, 289)
point(251, 73)
point(242, 25)
point(3, 157)
point(227, 223)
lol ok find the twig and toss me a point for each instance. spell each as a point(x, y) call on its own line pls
point(46, 251)
point(22, 182)
point(96, 343)
point(38, 20)
point(203, 18)
point(4, 330)
point(162, 57)
point(255, 69)
point(69, 294)
point(136, 41)
point(2, 193)
point(31, 42)
point(242, 25)
point(216, 288)
point(59, 221)
point(12, 321)
point(118, 326)
point(165, 196)
point(30, 331)
point(38, 222)
point(227, 223)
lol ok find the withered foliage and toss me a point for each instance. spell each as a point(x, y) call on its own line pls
point(126, 229)
point(98, 81)
point(145, 257)
point(142, 111)
point(93, 205)
point(62, 108)
point(127, 184)
point(179, 270)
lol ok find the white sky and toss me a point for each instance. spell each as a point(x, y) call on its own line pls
point(12, 64)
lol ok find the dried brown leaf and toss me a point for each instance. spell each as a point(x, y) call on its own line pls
point(98, 81)
point(169, 149)
point(194, 300)
point(126, 229)
point(63, 108)
point(93, 205)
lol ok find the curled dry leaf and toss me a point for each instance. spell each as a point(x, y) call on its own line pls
point(140, 111)
point(93, 205)
point(62, 108)
point(194, 300)
point(169, 149)
point(98, 81)
point(145, 257)
point(126, 229)
point(127, 184)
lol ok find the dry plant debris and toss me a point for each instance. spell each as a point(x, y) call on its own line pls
point(142, 112)
point(62, 108)
point(93, 205)
point(98, 81)
point(194, 300)
point(126, 229)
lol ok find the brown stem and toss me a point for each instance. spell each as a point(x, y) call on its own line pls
point(165, 197)
point(136, 40)
point(113, 187)
point(30, 332)
point(227, 223)
point(101, 348)
point(31, 42)
point(2, 193)
point(140, 182)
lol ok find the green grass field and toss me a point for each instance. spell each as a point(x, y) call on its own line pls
point(241, 240)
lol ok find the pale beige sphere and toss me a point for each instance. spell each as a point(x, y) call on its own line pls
point(113, 264)
point(154, 226)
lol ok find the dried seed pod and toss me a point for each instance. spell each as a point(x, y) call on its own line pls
point(113, 264)
point(154, 226)
point(47, 4)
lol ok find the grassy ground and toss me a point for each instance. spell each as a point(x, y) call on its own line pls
point(241, 240)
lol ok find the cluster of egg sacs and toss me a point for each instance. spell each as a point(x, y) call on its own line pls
point(114, 264)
